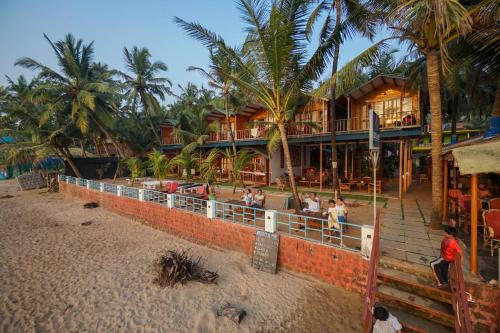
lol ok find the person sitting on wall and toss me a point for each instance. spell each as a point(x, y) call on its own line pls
point(449, 250)
point(248, 197)
point(259, 199)
point(385, 322)
point(312, 202)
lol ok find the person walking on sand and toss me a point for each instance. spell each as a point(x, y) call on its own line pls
point(385, 322)
point(449, 249)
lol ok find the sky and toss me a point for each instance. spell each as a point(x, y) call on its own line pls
point(113, 24)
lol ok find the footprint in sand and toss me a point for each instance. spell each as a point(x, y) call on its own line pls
point(205, 322)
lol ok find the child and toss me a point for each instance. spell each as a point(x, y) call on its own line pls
point(449, 249)
point(341, 210)
point(332, 217)
point(248, 197)
point(385, 322)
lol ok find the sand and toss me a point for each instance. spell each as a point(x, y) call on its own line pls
point(59, 276)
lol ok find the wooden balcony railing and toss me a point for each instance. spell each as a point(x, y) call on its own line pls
point(171, 140)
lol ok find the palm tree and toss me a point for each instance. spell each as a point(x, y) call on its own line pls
point(430, 25)
point(220, 64)
point(81, 90)
point(158, 164)
point(136, 168)
point(186, 160)
point(274, 68)
point(144, 85)
point(21, 116)
point(343, 18)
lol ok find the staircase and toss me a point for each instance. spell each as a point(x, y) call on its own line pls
point(408, 292)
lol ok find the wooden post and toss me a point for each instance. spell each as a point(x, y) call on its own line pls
point(473, 224)
point(445, 190)
point(400, 169)
point(405, 167)
point(352, 162)
point(410, 164)
point(321, 166)
point(345, 161)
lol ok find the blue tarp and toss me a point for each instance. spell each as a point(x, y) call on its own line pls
point(6, 139)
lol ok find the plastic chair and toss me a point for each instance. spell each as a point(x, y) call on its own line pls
point(491, 220)
point(494, 203)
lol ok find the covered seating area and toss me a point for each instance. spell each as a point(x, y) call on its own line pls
point(471, 171)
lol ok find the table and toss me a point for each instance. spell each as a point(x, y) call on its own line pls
point(240, 209)
point(153, 184)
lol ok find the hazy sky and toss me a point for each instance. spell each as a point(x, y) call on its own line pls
point(113, 24)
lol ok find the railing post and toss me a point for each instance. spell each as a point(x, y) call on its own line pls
point(119, 190)
point(170, 200)
point(88, 184)
point(141, 194)
point(211, 209)
point(67, 179)
point(101, 187)
point(270, 221)
point(367, 232)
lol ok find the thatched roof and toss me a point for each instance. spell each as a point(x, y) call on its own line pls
point(477, 155)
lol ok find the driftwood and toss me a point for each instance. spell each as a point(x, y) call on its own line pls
point(87, 223)
point(173, 267)
point(7, 196)
point(234, 313)
point(91, 205)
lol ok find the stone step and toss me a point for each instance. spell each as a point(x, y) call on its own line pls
point(418, 285)
point(426, 308)
point(414, 324)
point(402, 266)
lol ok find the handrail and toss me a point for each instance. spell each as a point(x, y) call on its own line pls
point(371, 284)
point(460, 303)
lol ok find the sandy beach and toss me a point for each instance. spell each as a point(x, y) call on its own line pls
point(59, 276)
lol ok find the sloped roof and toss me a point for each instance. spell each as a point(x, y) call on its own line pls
point(477, 155)
point(375, 83)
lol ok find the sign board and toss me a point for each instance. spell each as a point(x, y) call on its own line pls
point(374, 131)
point(31, 181)
point(265, 253)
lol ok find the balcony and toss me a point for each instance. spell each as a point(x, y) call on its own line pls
point(171, 140)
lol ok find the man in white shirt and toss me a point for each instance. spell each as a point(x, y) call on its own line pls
point(385, 322)
point(312, 202)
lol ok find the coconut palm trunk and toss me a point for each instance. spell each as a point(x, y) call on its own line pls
point(333, 96)
point(67, 155)
point(232, 139)
point(103, 129)
point(288, 165)
point(148, 116)
point(436, 136)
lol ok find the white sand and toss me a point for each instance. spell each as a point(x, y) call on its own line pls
point(59, 276)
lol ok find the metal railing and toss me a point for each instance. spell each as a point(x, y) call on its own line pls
point(236, 213)
point(310, 228)
point(371, 283)
point(460, 303)
point(316, 229)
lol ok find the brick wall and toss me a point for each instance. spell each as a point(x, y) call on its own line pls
point(343, 268)
point(486, 306)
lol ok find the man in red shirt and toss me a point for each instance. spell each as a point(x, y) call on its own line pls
point(449, 249)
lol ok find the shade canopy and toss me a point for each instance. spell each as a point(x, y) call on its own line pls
point(479, 156)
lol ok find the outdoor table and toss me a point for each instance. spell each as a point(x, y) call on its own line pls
point(153, 184)
point(237, 208)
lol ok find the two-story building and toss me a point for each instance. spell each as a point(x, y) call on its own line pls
point(400, 115)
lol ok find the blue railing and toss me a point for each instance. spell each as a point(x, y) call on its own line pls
point(240, 214)
point(310, 228)
point(111, 188)
point(94, 185)
point(130, 192)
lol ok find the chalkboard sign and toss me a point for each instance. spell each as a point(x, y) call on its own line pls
point(30, 181)
point(265, 253)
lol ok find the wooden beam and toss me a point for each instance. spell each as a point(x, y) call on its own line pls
point(346, 161)
point(321, 167)
point(473, 224)
point(400, 169)
point(405, 167)
point(445, 190)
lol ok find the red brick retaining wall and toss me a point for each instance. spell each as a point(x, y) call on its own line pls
point(343, 268)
